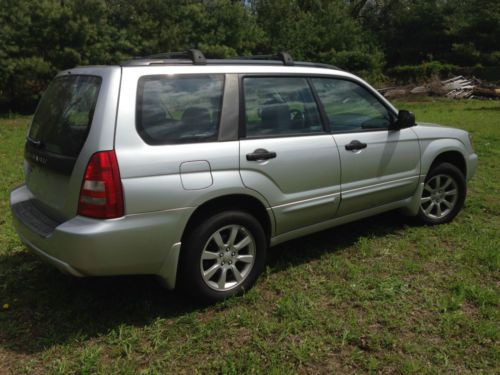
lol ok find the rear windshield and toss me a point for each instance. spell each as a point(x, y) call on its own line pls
point(62, 120)
point(178, 108)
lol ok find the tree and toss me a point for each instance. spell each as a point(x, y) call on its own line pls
point(368, 37)
point(318, 30)
point(474, 31)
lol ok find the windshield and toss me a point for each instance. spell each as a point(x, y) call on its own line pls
point(62, 120)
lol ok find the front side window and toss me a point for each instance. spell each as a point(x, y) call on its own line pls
point(350, 107)
point(179, 109)
point(278, 106)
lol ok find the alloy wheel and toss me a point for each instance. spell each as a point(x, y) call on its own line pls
point(228, 257)
point(439, 196)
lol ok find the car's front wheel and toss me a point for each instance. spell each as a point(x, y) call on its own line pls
point(443, 195)
point(222, 256)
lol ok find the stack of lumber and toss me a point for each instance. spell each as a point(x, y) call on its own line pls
point(457, 87)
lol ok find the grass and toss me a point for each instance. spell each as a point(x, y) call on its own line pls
point(379, 295)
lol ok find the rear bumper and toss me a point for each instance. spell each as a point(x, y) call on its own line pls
point(134, 244)
point(59, 264)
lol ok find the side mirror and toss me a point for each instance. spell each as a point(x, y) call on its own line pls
point(405, 119)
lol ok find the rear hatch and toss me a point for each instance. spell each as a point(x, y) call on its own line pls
point(60, 127)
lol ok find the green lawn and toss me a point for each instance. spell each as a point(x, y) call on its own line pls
point(380, 295)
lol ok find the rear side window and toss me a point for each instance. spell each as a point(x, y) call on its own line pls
point(350, 107)
point(64, 115)
point(179, 109)
point(279, 106)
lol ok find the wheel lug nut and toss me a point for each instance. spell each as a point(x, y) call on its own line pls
point(221, 263)
point(221, 255)
point(230, 262)
point(233, 253)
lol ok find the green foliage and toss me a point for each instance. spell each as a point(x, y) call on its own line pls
point(28, 79)
point(369, 38)
point(37, 39)
point(318, 30)
point(459, 32)
point(363, 63)
point(474, 30)
point(421, 72)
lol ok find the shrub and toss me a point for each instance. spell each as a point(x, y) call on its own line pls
point(422, 72)
point(29, 78)
point(365, 64)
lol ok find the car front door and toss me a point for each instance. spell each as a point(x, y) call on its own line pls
point(379, 166)
point(285, 154)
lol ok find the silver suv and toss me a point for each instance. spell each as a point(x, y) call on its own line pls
point(189, 169)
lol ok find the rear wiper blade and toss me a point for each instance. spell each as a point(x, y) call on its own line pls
point(34, 142)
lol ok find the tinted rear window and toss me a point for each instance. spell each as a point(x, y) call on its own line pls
point(62, 120)
point(279, 106)
point(179, 109)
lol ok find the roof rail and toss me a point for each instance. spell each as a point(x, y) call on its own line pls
point(196, 57)
point(282, 56)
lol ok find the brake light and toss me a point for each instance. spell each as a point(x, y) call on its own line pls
point(101, 193)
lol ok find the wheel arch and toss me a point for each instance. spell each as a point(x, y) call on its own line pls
point(434, 153)
point(243, 202)
point(444, 150)
point(453, 157)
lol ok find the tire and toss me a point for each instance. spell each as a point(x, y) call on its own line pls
point(233, 246)
point(443, 195)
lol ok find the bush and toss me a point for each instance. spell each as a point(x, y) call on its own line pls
point(29, 78)
point(493, 59)
point(367, 65)
point(422, 72)
point(37, 38)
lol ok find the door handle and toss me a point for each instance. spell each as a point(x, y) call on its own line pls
point(355, 145)
point(261, 154)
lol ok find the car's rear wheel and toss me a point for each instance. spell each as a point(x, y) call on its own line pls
point(443, 195)
point(222, 256)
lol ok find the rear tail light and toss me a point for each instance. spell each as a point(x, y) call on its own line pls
point(101, 194)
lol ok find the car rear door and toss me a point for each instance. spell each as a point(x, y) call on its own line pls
point(285, 154)
point(74, 119)
point(379, 166)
